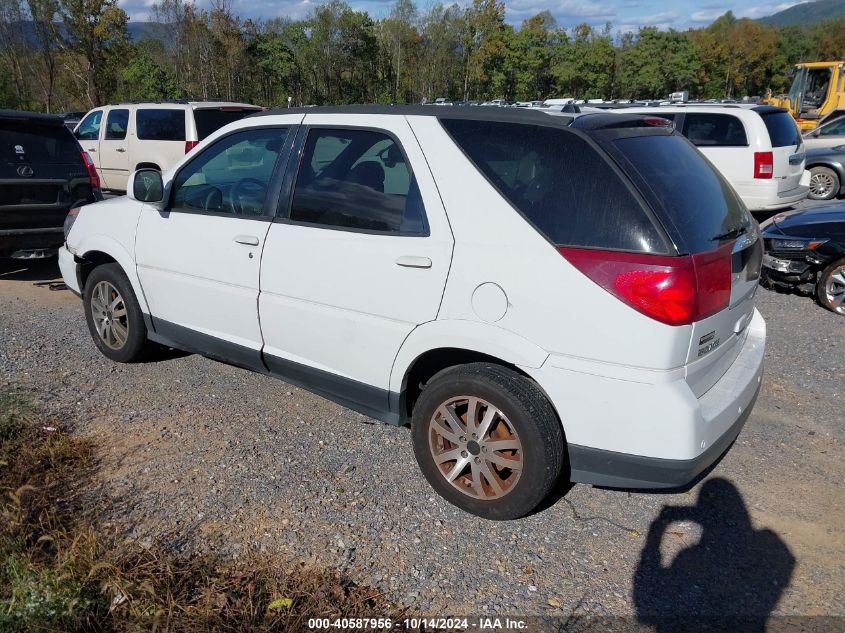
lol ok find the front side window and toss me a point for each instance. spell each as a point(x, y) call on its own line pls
point(160, 124)
point(116, 123)
point(714, 130)
point(357, 179)
point(89, 129)
point(231, 176)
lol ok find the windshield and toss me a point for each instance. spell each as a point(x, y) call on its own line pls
point(795, 88)
point(38, 144)
point(693, 200)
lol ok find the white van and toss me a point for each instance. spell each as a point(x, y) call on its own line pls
point(128, 136)
point(758, 149)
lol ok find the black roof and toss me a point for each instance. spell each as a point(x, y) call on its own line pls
point(476, 113)
point(529, 116)
point(35, 117)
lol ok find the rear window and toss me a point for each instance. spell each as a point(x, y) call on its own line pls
point(28, 142)
point(560, 183)
point(714, 130)
point(160, 125)
point(782, 129)
point(209, 121)
point(685, 189)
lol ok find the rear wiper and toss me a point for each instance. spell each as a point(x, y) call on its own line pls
point(730, 234)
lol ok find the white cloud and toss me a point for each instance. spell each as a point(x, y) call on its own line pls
point(763, 10)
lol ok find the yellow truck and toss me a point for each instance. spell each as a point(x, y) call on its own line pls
point(817, 94)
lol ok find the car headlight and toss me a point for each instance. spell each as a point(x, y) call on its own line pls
point(70, 219)
point(796, 244)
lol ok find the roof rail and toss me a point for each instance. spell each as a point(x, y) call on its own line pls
point(178, 101)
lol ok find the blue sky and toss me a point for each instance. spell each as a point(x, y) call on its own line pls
point(624, 15)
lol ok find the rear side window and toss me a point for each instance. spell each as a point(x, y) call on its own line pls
point(685, 189)
point(209, 121)
point(359, 180)
point(28, 142)
point(160, 125)
point(116, 123)
point(560, 183)
point(782, 129)
point(714, 130)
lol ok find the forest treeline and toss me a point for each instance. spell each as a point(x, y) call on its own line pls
point(58, 55)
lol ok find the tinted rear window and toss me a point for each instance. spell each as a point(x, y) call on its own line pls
point(560, 183)
point(685, 189)
point(714, 130)
point(160, 125)
point(782, 129)
point(27, 142)
point(209, 121)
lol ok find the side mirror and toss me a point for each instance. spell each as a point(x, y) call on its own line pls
point(146, 185)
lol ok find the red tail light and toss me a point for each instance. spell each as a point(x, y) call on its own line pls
point(672, 290)
point(93, 177)
point(764, 164)
point(189, 145)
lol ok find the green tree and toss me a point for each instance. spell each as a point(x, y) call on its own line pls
point(145, 80)
point(96, 31)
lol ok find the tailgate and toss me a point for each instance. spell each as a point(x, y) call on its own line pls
point(717, 340)
point(788, 156)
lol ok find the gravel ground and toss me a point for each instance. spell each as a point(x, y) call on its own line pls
point(211, 457)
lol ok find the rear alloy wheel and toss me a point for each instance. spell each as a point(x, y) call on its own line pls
point(113, 315)
point(830, 289)
point(487, 440)
point(824, 183)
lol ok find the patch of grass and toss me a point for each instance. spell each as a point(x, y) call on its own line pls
point(60, 571)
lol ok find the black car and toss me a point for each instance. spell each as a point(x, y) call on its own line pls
point(827, 172)
point(43, 174)
point(806, 250)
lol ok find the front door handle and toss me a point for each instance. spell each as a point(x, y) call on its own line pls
point(413, 261)
point(248, 240)
point(120, 149)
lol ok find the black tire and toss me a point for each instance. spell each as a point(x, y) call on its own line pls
point(824, 183)
point(135, 347)
point(523, 407)
point(822, 297)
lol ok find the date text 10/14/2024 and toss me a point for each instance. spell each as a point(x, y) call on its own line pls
point(414, 624)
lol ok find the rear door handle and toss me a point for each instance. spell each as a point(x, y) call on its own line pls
point(91, 149)
point(120, 149)
point(413, 261)
point(248, 240)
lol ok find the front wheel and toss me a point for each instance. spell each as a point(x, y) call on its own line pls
point(824, 183)
point(114, 316)
point(487, 440)
point(830, 288)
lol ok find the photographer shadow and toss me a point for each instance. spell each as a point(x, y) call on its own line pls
point(731, 579)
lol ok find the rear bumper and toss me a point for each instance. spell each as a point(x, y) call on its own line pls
point(763, 195)
point(14, 240)
point(619, 470)
point(645, 428)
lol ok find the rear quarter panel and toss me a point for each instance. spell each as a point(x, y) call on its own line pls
point(549, 302)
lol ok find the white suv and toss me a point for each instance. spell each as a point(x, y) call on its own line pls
point(128, 136)
point(758, 149)
point(535, 295)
